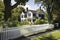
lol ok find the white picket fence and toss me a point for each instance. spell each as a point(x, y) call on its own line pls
point(15, 32)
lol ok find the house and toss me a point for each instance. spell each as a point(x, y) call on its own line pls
point(31, 14)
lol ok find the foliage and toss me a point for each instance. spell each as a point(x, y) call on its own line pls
point(16, 13)
point(36, 1)
point(1, 12)
point(53, 8)
point(25, 22)
point(13, 22)
point(22, 1)
point(1, 6)
point(13, 11)
point(39, 21)
point(9, 7)
point(10, 24)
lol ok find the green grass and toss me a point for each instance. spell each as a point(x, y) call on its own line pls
point(55, 34)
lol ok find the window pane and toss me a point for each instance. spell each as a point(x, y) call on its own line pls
point(22, 16)
point(29, 14)
point(39, 15)
point(34, 15)
point(25, 16)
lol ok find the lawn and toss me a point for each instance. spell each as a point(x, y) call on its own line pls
point(55, 34)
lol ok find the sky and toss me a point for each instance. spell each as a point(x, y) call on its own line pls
point(30, 4)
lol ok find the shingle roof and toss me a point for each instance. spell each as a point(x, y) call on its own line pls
point(35, 11)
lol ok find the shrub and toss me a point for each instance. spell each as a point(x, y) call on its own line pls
point(39, 21)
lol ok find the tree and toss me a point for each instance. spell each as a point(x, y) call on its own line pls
point(1, 6)
point(8, 7)
point(39, 21)
point(16, 13)
point(51, 5)
point(1, 12)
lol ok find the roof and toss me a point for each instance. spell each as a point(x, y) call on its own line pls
point(35, 11)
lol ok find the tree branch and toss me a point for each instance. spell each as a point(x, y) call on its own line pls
point(19, 2)
point(15, 5)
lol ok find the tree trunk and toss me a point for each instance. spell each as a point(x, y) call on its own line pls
point(7, 12)
point(8, 8)
point(49, 14)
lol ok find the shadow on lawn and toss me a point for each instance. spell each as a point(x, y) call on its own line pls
point(21, 38)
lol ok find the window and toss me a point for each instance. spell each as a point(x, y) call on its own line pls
point(39, 15)
point(22, 16)
point(25, 15)
point(33, 20)
point(29, 14)
point(34, 15)
point(42, 16)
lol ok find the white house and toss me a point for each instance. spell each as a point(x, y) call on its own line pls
point(31, 15)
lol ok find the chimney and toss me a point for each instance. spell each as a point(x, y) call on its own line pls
point(27, 9)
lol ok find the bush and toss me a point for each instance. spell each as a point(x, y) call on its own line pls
point(39, 21)
point(25, 22)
